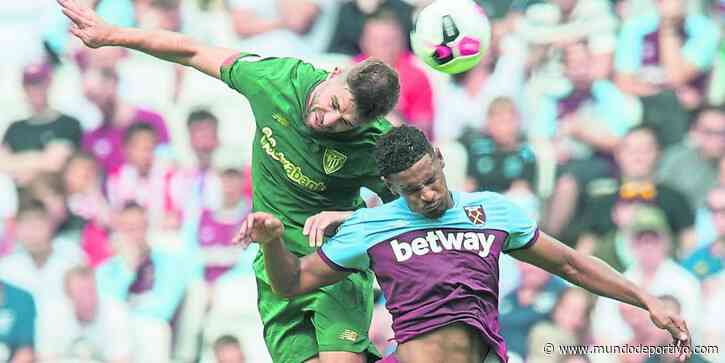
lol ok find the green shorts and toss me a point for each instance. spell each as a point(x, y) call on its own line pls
point(335, 318)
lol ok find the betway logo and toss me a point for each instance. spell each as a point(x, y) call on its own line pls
point(437, 241)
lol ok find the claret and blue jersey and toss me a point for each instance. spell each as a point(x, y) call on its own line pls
point(434, 272)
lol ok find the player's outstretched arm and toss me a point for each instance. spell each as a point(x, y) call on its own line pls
point(596, 276)
point(166, 45)
point(288, 274)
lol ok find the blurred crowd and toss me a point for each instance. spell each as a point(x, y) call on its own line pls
point(123, 178)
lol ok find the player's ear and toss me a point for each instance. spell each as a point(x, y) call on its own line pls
point(388, 185)
point(439, 156)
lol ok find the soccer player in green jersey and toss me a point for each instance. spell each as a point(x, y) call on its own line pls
point(312, 152)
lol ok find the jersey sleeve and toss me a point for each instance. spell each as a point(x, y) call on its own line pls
point(701, 46)
point(628, 54)
point(347, 249)
point(523, 230)
point(252, 75)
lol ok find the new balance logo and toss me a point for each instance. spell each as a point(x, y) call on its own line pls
point(438, 241)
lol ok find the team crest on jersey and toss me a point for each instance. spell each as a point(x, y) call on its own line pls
point(475, 214)
point(333, 160)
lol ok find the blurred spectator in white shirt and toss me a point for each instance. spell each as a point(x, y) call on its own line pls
point(85, 326)
point(283, 28)
point(227, 349)
point(40, 262)
point(655, 272)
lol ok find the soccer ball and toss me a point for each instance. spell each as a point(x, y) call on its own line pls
point(451, 36)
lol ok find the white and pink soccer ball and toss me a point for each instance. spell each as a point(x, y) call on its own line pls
point(451, 36)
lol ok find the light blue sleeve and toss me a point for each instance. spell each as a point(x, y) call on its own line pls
point(113, 279)
point(523, 230)
point(172, 277)
point(347, 249)
point(702, 43)
point(544, 121)
point(628, 54)
point(612, 104)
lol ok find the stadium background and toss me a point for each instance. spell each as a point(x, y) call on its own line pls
point(581, 113)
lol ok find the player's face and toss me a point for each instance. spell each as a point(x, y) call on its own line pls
point(423, 186)
point(331, 107)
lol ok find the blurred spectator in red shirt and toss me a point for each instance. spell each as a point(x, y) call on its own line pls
point(383, 38)
point(101, 88)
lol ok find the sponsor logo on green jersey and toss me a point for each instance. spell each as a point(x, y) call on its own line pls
point(293, 171)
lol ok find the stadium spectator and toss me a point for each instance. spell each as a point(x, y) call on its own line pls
point(150, 280)
point(228, 349)
point(353, 15)
point(584, 126)
point(198, 185)
point(83, 186)
point(17, 334)
point(283, 28)
point(568, 325)
point(43, 141)
point(713, 327)
point(383, 38)
point(697, 157)
point(499, 159)
point(144, 179)
point(655, 271)
point(636, 158)
point(85, 326)
point(530, 303)
point(663, 57)
point(704, 228)
point(588, 21)
point(709, 259)
point(662, 340)
point(38, 267)
point(105, 142)
point(8, 209)
point(226, 269)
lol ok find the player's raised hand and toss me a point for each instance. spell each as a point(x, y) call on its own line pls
point(676, 326)
point(259, 227)
point(85, 24)
point(323, 224)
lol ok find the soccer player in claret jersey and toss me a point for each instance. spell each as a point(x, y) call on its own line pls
point(315, 133)
point(435, 253)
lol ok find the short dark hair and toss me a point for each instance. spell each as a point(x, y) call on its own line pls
point(29, 204)
point(226, 340)
point(132, 206)
point(138, 128)
point(375, 88)
point(400, 148)
point(200, 115)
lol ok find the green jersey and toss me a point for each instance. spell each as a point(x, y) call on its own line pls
point(295, 172)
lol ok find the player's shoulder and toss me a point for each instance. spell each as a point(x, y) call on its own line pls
point(487, 197)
